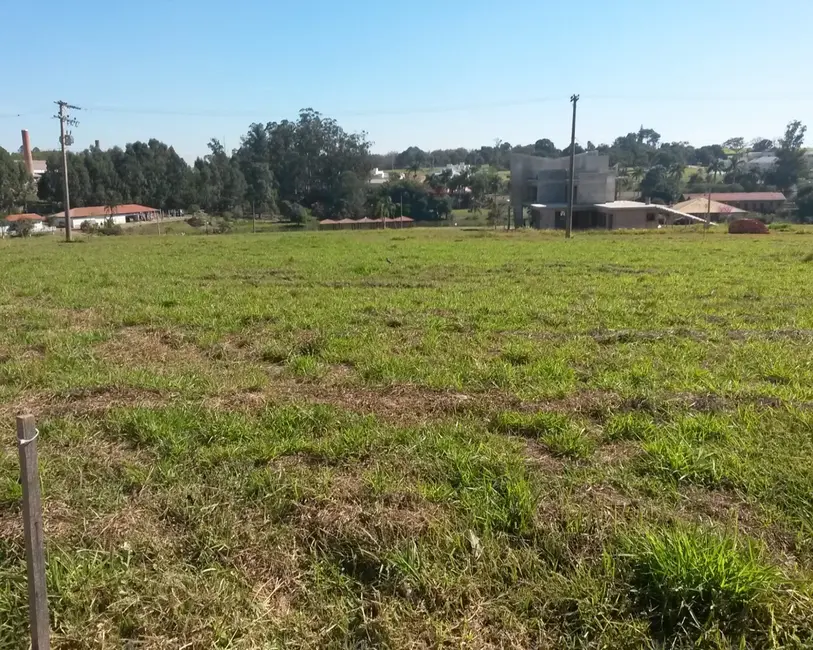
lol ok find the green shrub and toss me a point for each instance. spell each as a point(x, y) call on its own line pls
point(110, 228)
point(293, 212)
point(222, 226)
point(89, 227)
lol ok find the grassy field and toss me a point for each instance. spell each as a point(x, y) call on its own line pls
point(417, 438)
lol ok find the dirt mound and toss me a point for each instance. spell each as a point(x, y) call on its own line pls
point(747, 227)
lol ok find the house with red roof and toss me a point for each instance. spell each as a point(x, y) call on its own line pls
point(11, 222)
point(760, 202)
point(98, 214)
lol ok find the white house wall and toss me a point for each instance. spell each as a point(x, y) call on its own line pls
point(99, 221)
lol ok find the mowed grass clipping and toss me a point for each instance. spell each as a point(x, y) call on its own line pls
point(415, 438)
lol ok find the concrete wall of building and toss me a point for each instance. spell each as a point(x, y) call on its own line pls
point(590, 187)
point(524, 169)
point(76, 222)
point(634, 219)
point(544, 219)
point(546, 180)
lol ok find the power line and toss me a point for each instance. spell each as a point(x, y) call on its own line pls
point(451, 108)
point(361, 113)
point(418, 110)
point(4, 116)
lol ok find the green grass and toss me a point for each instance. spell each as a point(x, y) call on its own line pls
point(695, 581)
point(561, 436)
point(414, 438)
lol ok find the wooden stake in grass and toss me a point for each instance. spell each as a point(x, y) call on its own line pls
point(34, 539)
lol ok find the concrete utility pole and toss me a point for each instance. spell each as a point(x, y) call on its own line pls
point(65, 140)
point(569, 223)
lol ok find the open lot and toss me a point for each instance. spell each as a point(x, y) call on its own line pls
point(415, 438)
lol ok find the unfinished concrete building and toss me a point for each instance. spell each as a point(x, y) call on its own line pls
point(543, 184)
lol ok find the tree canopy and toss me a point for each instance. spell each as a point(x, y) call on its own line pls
point(310, 162)
point(312, 166)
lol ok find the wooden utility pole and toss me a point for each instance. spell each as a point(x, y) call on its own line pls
point(569, 222)
point(34, 539)
point(708, 212)
point(65, 140)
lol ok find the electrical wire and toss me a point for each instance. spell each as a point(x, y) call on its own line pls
point(417, 110)
point(427, 110)
point(4, 116)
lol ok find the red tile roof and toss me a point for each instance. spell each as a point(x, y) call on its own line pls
point(104, 211)
point(28, 216)
point(741, 196)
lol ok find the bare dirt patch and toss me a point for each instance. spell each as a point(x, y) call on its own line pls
point(617, 452)
point(134, 526)
point(84, 401)
point(139, 346)
point(540, 459)
point(80, 320)
point(353, 515)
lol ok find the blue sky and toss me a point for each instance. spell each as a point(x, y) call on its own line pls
point(437, 74)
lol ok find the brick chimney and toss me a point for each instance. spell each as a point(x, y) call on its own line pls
point(28, 159)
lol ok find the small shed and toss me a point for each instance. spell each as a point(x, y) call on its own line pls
point(37, 222)
point(365, 222)
point(346, 223)
point(328, 224)
point(401, 222)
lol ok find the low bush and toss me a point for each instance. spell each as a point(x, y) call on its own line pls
point(110, 229)
point(222, 227)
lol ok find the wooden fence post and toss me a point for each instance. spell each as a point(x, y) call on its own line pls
point(34, 540)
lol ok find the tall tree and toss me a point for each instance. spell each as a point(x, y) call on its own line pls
point(660, 184)
point(761, 144)
point(15, 186)
point(735, 144)
point(791, 165)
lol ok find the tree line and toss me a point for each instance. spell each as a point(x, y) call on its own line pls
point(312, 166)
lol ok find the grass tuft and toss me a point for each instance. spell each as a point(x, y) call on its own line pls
point(689, 579)
point(630, 426)
point(556, 431)
point(676, 458)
